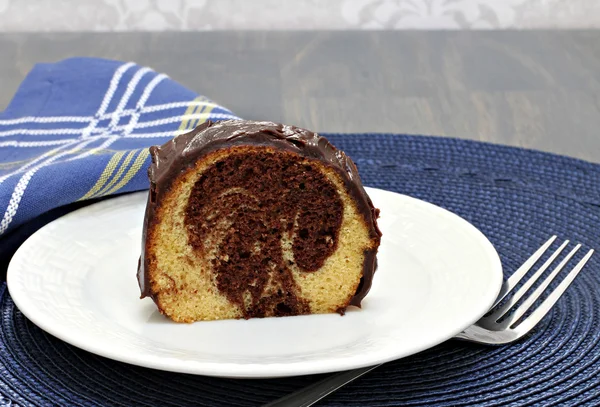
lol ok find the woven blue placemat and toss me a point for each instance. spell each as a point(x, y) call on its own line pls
point(518, 198)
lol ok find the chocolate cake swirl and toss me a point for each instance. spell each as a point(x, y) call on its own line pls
point(265, 200)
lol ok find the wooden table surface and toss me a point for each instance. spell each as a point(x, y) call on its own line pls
point(538, 89)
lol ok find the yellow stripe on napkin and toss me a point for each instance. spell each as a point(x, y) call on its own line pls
point(105, 176)
point(135, 168)
point(119, 173)
point(203, 110)
point(185, 123)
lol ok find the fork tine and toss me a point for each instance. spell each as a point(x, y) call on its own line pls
point(525, 287)
point(514, 279)
point(537, 315)
point(539, 291)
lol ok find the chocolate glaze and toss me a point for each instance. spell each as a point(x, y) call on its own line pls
point(181, 153)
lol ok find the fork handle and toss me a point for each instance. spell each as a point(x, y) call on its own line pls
point(309, 395)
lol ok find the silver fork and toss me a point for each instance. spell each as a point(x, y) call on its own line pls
point(497, 327)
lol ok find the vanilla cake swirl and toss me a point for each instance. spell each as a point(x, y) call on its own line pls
point(255, 219)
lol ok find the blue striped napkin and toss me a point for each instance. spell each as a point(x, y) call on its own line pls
point(80, 129)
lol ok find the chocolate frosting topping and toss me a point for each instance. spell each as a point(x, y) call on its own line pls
point(180, 153)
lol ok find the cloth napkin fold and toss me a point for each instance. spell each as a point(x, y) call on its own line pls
point(80, 129)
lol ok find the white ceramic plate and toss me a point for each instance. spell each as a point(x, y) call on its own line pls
point(76, 279)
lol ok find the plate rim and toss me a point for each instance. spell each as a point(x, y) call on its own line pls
point(224, 369)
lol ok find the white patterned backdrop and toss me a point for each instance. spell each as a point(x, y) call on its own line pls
point(156, 15)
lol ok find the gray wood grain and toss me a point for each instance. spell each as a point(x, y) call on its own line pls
point(532, 89)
